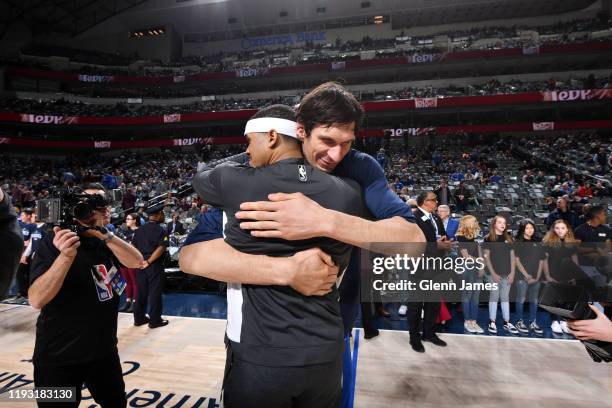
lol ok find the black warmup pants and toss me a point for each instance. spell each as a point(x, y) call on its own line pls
point(23, 279)
point(103, 378)
point(150, 286)
point(249, 385)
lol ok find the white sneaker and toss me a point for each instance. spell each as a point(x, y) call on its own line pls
point(510, 328)
point(564, 327)
point(492, 327)
point(469, 326)
point(556, 327)
point(477, 328)
point(402, 310)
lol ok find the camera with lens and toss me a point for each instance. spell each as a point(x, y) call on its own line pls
point(571, 302)
point(74, 210)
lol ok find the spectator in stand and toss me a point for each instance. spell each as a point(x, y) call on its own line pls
point(175, 226)
point(495, 178)
point(528, 178)
point(562, 212)
point(450, 224)
point(457, 176)
point(540, 178)
point(443, 193)
point(398, 185)
point(601, 160)
point(462, 196)
point(600, 190)
point(550, 204)
point(381, 158)
point(585, 190)
point(194, 210)
point(129, 199)
point(583, 217)
point(109, 181)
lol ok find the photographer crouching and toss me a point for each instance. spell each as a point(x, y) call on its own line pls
point(74, 280)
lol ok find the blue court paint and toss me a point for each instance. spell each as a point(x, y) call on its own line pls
point(354, 368)
point(347, 375)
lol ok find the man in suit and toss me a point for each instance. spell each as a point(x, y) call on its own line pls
point(451, 225)
point(175, 227)
point(438, 243)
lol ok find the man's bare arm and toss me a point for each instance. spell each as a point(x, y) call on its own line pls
point(126, 253)
point(47, 286)
point(309, 272)
point(295, 216)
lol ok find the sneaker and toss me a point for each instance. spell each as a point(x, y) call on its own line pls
point(556, 327)
point(564, 327)
point(20, 300)
point(402, 310)
point(522, 327)
point(492, 327)
point(469, 326)
point(477, 328)
point(510, 328)
point(536, 329)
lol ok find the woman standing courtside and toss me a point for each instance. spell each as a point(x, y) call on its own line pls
point(499, 259)
point(530, 264)
point(561, 263)
point(466, 233)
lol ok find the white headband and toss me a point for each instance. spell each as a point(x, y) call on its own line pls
point(264, 125)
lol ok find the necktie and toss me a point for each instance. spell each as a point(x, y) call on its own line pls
point(434, 223)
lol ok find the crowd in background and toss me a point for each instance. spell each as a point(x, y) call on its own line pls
point(456, 174)
point(333, 50)
point(66, 107)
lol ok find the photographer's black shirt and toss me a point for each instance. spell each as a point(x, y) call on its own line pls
point(80, 323)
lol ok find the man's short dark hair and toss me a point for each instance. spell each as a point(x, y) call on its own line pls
point(594, 211)
point(422, 197)
point(329, 104)
point(277, 111)
point(93, 186)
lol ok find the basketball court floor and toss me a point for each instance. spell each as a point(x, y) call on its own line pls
point(182, 364)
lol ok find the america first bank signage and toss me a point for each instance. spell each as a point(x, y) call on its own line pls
point(284, 40)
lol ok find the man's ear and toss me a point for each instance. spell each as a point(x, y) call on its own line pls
point(273, 139)
point(301, 131)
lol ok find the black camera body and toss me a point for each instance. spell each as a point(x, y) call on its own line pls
point(68, 207)
point(571, 302)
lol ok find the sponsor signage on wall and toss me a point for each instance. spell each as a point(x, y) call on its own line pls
point(577, 95)
point(172, 118)
point(284, 40)
point(48, 119)
point(96, 78)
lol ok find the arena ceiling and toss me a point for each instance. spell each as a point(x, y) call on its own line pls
point(62, 16)
point(74, 17)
